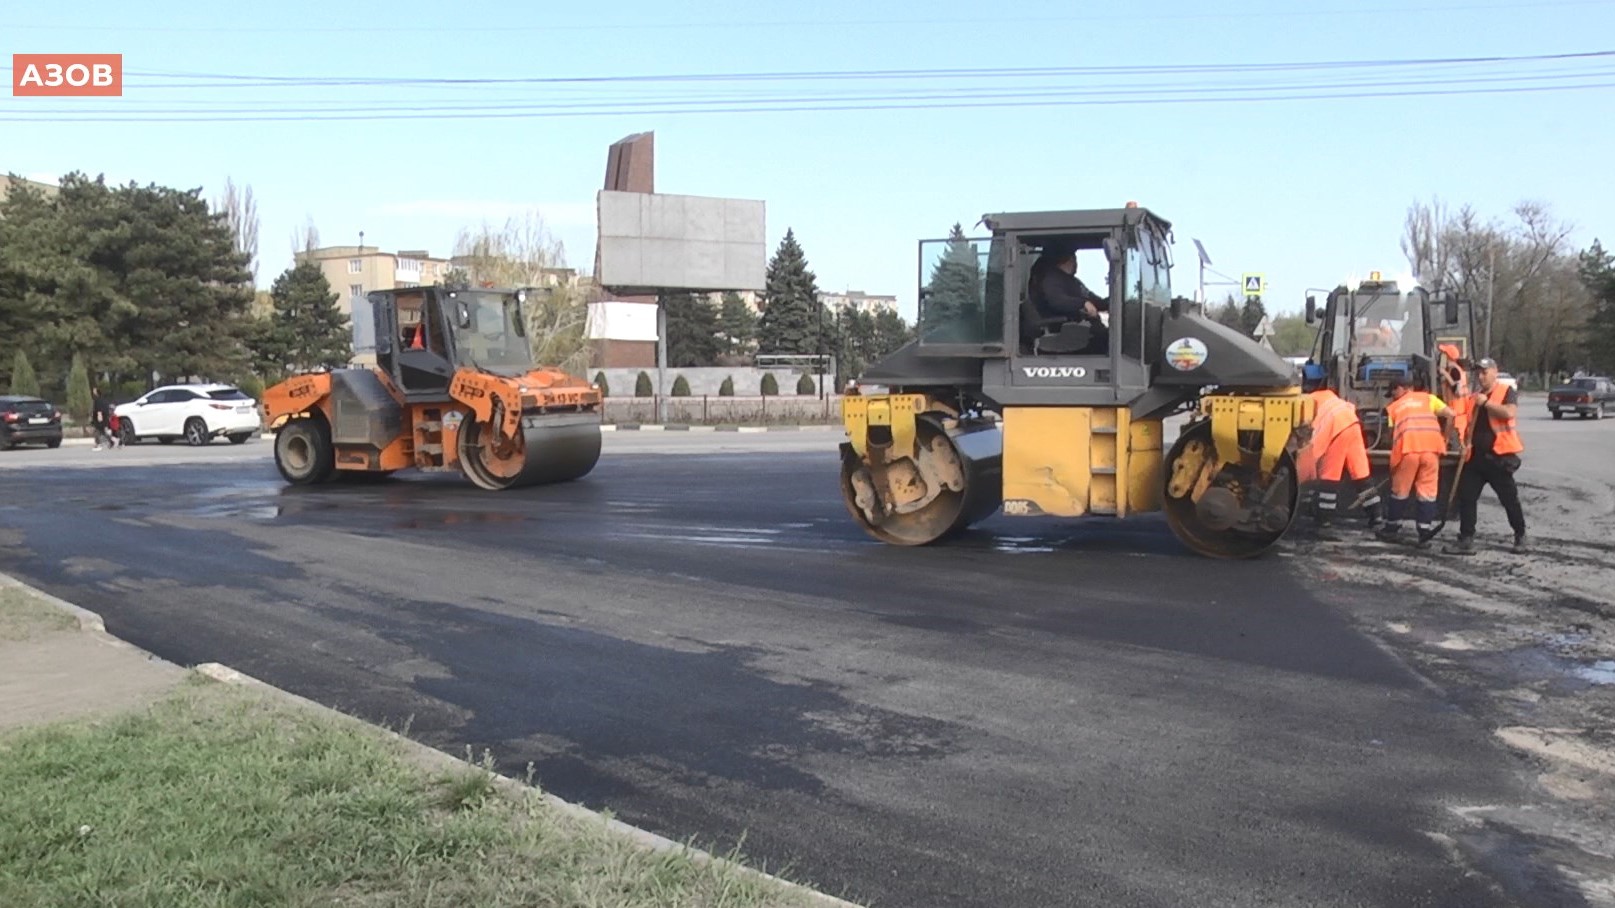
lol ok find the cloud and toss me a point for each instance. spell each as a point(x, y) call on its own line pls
point(555, 214)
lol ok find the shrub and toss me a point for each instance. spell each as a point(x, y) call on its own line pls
point(643, 387)
point(600, 382)
point(79, 400)
point(727, 389)
point(681, 388)
point(770, 384)
point(23, 379)
point(805, 385)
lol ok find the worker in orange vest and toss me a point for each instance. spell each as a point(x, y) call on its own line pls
point(1493, 457)
point(1419, 423)
point(1455, 388)
point(1335, 450)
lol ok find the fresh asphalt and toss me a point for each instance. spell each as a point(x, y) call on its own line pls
point(1043, 713)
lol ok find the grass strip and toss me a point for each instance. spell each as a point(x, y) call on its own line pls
point(220, 796)
point(23, 616)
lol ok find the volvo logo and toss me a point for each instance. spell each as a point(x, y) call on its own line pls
point(1054, 371)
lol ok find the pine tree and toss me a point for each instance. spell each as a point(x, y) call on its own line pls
point(692, 330)
point(308, 330)
point(953, 307)
point(793, 319)
point(23, 379)
point(737, 322)
point(1597, 271)
point(1251, 315)
point(79, 400)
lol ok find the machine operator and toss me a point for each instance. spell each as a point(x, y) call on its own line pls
point(1057, 293)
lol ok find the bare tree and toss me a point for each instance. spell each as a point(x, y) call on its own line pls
point(1531, 311)
point(241, 213)
point(523, 253)
point(305, 238)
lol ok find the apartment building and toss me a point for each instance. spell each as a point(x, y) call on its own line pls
point(858, 301)
point(354, 271)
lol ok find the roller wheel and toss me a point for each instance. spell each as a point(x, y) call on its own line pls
point(303, 452)
point(558, 448)
point(1217, 526)
point(957, 482)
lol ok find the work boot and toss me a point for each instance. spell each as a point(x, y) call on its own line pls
point(1388, 531)
point(1465, 545)
point(1521, 544)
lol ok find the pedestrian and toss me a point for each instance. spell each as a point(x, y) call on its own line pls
point(1419, 422)
point(1492, 459)
point(100, 417)
point(1335, 451)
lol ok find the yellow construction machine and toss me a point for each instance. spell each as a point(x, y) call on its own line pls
point(998, 403)
point(454, 388)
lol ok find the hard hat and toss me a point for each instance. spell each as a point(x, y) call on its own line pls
point(1452, 351)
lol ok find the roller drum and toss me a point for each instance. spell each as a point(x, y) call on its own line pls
point(554, 448)
point(1226, 522)
point(958, 482)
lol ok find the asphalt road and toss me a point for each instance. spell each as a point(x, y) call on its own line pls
point(1044, 713)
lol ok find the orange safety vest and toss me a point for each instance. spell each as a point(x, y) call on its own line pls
point(1505, 434)
point(1327, 409)
point(1458, 398)
point(1415, 427)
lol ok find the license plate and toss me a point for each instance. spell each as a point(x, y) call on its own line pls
point(243, 409)
point(38, 421)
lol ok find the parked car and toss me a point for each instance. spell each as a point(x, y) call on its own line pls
point(1508, 381)
point(196, 413)
point(25, 420)
point(1585, 396)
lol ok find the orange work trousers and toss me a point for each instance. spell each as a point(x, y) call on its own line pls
point(1417, 473)
point(1345, 454)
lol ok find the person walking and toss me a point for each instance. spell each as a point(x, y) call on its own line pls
point(101, 417)
point(1493, 458)
point(1419, 422)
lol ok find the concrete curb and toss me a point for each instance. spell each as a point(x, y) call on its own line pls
point(91, 622)
point(90, 442)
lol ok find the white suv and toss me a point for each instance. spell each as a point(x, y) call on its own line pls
point(196, 413)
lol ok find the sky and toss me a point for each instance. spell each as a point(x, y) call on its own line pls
point(302, 101)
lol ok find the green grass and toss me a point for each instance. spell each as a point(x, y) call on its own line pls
point(220, 796)
point(23, 616)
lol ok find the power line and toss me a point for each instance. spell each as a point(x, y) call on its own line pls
point(229, 80)
point(1073, 19)
point(248, 116)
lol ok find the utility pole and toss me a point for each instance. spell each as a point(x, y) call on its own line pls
point(1491, 287)
point(661, 359)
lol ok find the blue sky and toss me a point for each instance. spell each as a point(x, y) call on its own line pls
point(1306, 192)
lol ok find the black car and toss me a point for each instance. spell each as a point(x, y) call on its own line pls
point(1585, 396)
point(25, 420)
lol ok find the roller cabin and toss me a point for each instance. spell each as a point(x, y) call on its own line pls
point(997, 404)
point(454, 389)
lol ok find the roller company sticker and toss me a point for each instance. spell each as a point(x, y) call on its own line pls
point(1186, 354)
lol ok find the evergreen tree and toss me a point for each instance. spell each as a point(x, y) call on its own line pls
point(681, 387)
point(793, 319)
point(806, 385)
point(600, 382)
point(1228, 314)
point(79, 400)
point(23, 379)
point(737, 323)
point(727, 389)
point(1251, 315)
point(1597, 271)
point(307, 331)
point(770, 384)
point(692, 330)
point(643, 386)
point(953, 305)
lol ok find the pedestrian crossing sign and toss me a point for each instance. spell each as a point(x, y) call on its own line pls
point(1254, 283)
